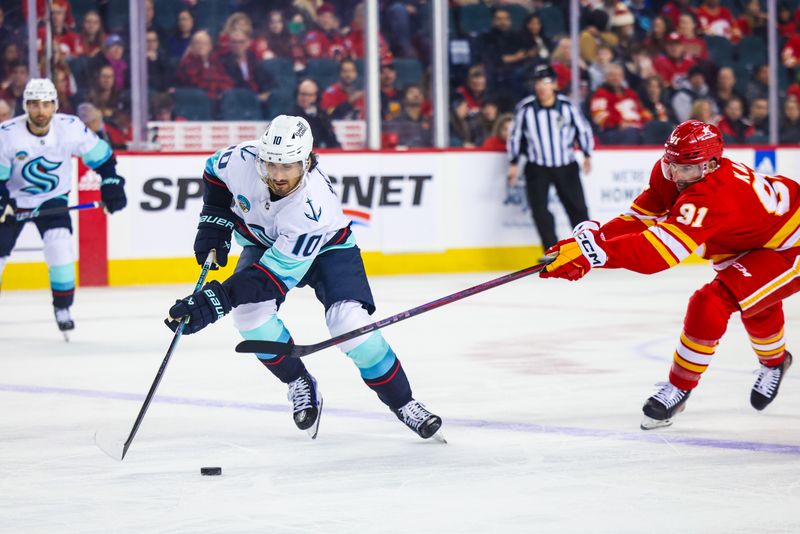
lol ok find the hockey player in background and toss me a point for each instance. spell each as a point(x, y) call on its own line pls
point(746, 223)
point(36, 150)
point(273, 197)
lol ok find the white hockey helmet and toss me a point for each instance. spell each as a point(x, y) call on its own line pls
point(39, 89)
point(287, 140)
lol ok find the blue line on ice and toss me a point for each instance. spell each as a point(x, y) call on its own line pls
point(530, 428)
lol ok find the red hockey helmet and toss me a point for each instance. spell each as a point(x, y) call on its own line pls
point(688, 151)
point(693, 142)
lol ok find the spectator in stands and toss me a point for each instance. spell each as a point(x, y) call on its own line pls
point(644, 14)
point(717, 20)
point(484, 122)
point(758, 116)
point(726, 87)
point(7, 34)
point(345, 98)
point(16, 85)
point(354, 41)
point(200, 69)
point(474, 91)
point(40, 10)
point(160, 71)
point(672, 10)
point(463, 132)
point(500, 132)
point(93, 119)
point(694, 46)
point(561, 62)
point(108, 99)
point(178, 42)
point(306, 101)
point(278, 39)
point(693, 88)
point(10, 57)
point(5, 111)
point(789, 129)
point(65, 88)
point(533, 40)
point(390, 98)
point(597, 70)
point(674, 65)
point(150, 21)
point(66, 40)
point(758, 86)
point(702, 110)
point(656, 40)
point(790, 55)
point(595, 34)
point(787, 26)
point(655, 100)
point(236, 22)
point(753, 21)
point(162, 107)
point(114, 55)
point(502, 54)
point(616, 110)
point(92, 35)
point(400, 18)
point(242, 66)
point(411, 126)
point(638, 67)
point(325, 39)
point(622, 25)
point(732, 125)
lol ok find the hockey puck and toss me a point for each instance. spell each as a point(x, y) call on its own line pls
point(210, 471)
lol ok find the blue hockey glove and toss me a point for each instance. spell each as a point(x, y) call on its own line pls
point(112, 191)
point(202, 308)
point(214, 231)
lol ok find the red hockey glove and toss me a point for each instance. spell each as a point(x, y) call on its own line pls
point(577, 255)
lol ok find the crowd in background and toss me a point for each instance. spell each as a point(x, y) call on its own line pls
point(644, 64)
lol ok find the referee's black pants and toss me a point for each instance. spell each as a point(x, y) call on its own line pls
point(567, 181)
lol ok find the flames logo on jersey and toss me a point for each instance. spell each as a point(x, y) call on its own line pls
point(39, 173)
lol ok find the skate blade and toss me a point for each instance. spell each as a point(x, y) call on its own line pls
point(648, 423)
point(66, 335)
point(314, 429)
point(440, 438)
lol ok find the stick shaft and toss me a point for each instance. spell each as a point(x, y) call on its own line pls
point(34, 214)
point(303, 350)
point(160, 374)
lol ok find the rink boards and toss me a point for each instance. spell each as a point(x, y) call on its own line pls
point(412, 212)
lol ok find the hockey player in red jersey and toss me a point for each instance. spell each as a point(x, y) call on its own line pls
point(746, 223)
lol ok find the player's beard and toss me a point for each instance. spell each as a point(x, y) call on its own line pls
point(40, 122)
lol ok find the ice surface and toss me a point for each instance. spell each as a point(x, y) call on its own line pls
point(540, 384)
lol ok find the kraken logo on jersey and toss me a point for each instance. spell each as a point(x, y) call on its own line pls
point(38, 172)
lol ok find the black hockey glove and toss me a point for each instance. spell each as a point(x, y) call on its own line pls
point(112, 191)
point(202, 308)
point(214, 231)
point(7, 205)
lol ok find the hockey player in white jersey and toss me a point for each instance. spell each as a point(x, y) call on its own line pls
point(273, 197)
point(36, 173)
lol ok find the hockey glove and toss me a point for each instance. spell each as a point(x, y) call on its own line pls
point(202, 308)
point(7, 205)
point(214, 231)
point(112, 191)
point(576, 256)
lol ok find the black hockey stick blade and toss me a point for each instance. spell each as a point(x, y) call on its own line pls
point(298, 351)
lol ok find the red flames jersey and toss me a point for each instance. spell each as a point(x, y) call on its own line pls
point(731, 211)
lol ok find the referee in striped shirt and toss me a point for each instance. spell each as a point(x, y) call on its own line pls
point(546, 127)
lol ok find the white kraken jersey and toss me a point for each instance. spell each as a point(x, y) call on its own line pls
point(40, 168)
point(294, 228)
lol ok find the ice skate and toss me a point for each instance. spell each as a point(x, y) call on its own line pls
point(306, 404)
point(416, 417)
point(64, 321)
point(767, 383)
point(661, 408)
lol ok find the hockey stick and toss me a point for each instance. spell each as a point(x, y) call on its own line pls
point(33, 214)
point(298, 351)
point(120, 455)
